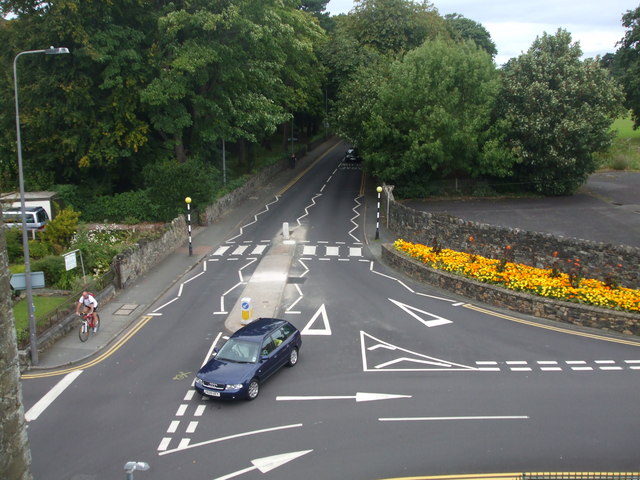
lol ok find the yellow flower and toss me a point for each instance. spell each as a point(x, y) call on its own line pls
point(524, 278)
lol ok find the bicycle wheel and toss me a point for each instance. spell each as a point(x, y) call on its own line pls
point(96, 323)
point(83, 332)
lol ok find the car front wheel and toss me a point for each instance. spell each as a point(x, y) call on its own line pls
point(253, 390)
point(293, 358)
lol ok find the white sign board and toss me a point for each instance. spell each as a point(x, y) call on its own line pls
point(70, 261)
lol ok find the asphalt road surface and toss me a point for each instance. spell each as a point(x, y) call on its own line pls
point(395, 379)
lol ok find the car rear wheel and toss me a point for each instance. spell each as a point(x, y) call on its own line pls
point(253, 390)
point(293, 358)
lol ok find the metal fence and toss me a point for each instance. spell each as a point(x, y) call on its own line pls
point(54, 317)
point(581, 476)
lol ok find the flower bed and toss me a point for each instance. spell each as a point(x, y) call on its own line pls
point(549, 283)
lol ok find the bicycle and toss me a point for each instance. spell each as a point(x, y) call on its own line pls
point(88, 323)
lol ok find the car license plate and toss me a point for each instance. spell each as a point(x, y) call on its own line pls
point(212, 393)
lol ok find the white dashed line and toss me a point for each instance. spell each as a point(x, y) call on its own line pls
point(164, 444)
point(192, 427)
point(181, 410)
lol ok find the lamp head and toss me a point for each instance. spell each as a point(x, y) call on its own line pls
point(130, 467)
point(56, 50)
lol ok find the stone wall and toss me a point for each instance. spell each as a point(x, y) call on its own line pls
point(15, 456)
point(567, 312)
point(136, 260)
point(598, 260)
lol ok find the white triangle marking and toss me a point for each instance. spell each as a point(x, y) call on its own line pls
point(414, 357)
point(307, 330)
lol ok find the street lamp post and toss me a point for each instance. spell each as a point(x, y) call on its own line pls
point(379, 190)
point(25, 239)
point(187, 200)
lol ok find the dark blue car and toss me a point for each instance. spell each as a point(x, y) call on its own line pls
point(248, 358)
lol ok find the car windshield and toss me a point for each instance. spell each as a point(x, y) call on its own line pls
point(239, 351)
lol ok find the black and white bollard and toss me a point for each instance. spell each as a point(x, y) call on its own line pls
point(188, 202)
point(379, 190)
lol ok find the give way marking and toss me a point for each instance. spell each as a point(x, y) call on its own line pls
point(413, 311)
point(391, 358)
point(326, 330)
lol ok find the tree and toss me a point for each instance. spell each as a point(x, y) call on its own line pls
point(557, 111)
point(230, 70)
point(361, 47)
point(395, 26)
point(626, 64)
point(467, 29)
point(431, 115)
point(81, 116)
point(357, 97)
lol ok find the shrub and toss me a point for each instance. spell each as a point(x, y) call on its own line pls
point(60, 231)
point(122, 207)
point(13, 237)
point(38, 249)
point(53, 268)
point(170, 182)
point(98, 248)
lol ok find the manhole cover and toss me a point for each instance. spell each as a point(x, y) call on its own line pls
point(126, 309)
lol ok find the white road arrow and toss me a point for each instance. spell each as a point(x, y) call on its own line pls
point(359, 397)
point(266, 464)
point(437, 320)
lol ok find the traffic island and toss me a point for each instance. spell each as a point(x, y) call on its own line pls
point(265, 288)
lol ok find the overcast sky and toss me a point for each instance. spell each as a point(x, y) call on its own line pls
point(515, 24)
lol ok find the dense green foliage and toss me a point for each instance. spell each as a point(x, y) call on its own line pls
point(149, 82)
point(626, 62)
point(468, 29)
point(134, 119)
point(431, 115)
point(61, 230)
point(557, 111)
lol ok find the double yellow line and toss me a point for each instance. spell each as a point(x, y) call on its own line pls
point(519, 476)
point(302, 174)
point(104, 355)
point(555, 329)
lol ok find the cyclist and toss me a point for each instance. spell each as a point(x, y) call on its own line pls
point(89, 304)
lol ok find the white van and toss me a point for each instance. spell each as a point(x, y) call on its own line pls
point(36, 217)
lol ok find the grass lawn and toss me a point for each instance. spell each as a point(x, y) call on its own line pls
point(43, 305)
point(624, 128)
point(624, 153)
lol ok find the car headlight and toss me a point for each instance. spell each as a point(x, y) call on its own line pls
point(236, 386)
point(198, 381)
